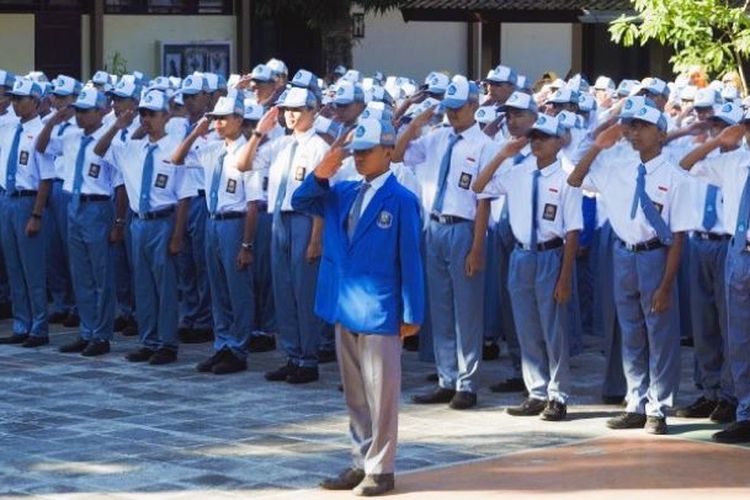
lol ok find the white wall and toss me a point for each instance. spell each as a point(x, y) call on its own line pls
point(135, 37)
point(534, 48)
point(17, 42)
point(410, 49)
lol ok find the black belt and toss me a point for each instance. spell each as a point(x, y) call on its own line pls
point(712, 236)
point(57, 179)
point(23, 193)
point(645, 246)
point(262, 206)
point(447, 219)
point(201, 193)
point(94, 197)
point(158, 214)
point(547, 245)
point(226, 215)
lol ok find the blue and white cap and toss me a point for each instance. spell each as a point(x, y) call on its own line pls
point(326, 126)
point(730, 93)
point(253, 110)
point(437, 83)
point(564, 96)
point(587, 103)
point(626, 87)
point(154, 100)
point(631, 104)
point(523, 83)
point(296, 97)
point(604, 83)
point(176, 81)
point(160, 83)
point(139, 76)
point(229, 105)
point(25, 87)
point(548, 125)
point(339, 70)
point(706, 98)
point(459, 93)
point(101, 78)
point(127, 89)
point(654, 86)
point(502, 74)
point(652, 115)
point(65, 85)
point(90, 98)
point(352, 75)
point(261, 73)
point(522, 101)
point(277, 67)
point(348, 92)
point(577, 83)
point(376, 113)
point(419, 108)
point(729, 113)
point(304, 79)
point(37, 76)
point(558, 83)
point(485, 114)
point(379, 77)
point(568, 119)
point(371, 133)
point(7, 79)
point(214, 82)
point(688, 93)
point(194, 84)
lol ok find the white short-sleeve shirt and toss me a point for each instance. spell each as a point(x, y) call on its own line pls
point(32, 167)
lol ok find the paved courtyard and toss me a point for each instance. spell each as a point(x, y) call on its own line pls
point(72, 427)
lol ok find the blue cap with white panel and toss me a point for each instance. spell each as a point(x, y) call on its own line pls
point(370, 133)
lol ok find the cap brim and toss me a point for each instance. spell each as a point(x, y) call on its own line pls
point(454, 103)
point(362, 145)
point(82, 106)
point(151, 108)
point(533, 131)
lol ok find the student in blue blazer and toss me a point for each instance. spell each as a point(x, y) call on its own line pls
point(371, 287)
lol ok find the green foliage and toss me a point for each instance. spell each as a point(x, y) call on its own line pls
point(117, 65)
point(320, 13)
point(712, 33)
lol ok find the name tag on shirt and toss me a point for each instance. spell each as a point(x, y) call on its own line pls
point(464, 182)
point(265, 183)
point(550, 212)
point(161, 180)
point(94, 170)
point(231, 186)
point(23, 158)
point(299, 174)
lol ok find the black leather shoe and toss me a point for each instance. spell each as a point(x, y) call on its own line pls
point(490, 351)
point(510, 385)
point(261, 343)
point(207, 365)
point(35, 342)
point(411, 343)
point(347, 480)
point(96, 348)
point(131, 328)
point(554, 411)
point(326, 356)
point(432, 377)
point(463, 400)
point(163, 356)
point(76, 346)
point(280, 374)
point(439, 395)
point(613, 400)
point(627, 421)
point(195, 335)
point(374, 485)
point(656, 425)
point(530, 407)
point(737, 432)
point(57, 318)
point(725, 412)
point(72, 321)
point(303, 375)
point(229, 364)
point(140, 356)
point(700, 408)
point(14, 339)
point(120, 323)
point(686, 341)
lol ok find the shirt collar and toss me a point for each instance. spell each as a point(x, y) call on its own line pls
point(654, 163)
point(31, 124)
point(546, 171)
point(304, 136)
point(378, 181)
point(237, 144)
point(469, 133)
point(161, 143)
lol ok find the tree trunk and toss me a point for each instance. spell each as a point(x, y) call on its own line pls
point(337, 40)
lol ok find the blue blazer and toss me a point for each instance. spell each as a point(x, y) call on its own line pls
point(375, 282)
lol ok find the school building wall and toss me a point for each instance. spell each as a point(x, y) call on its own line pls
point(535, 48)
point(17, 42)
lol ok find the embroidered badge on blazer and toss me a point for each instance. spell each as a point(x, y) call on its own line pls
point(385, 219)
point(465, 181)
point(23, 158)
point(161, 180)
point(231, 186)
point(299, 174)
point(94, 170)
point(550, 211)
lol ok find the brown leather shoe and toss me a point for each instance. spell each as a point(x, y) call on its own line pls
point(347, 480)
point(375, 484)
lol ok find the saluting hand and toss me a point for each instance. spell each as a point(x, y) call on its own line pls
point(609, 137)
point(125, 119)
point(269, 121)
point(731, 136)
point(332, 160)
point(244, 82)
point(201, 128)
point(514, 146)
point(424, 117)
point(62, 115)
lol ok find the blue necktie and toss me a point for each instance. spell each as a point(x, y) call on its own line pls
point(281, 194)
point(518, 158)
point(189, 128)
point(61, 130)
point(534, 203)
point(649, 210)
point(709, 207)
point(78, 173)
point(147, 176)
point(740, 233)
point(445, 166)
point(123, 135)
point(213, 200)
point(10, 173)
point(356, 212)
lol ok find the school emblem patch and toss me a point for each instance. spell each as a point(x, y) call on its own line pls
point(550, 211)
point(94, 170)
point(299, 174)
point(231, 186)
point(385, 219)
point(465, 180)
point(161, 181)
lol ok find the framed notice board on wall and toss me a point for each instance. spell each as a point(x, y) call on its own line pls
point(183, 58)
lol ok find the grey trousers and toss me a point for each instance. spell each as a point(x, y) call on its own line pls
point(370, 368)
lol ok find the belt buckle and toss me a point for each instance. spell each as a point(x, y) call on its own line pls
point(704, 236)
point(630, 247)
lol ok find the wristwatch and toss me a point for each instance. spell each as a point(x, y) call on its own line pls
point(36, 216)
point(120, 222)
point(247, 246)
point(257, 134)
